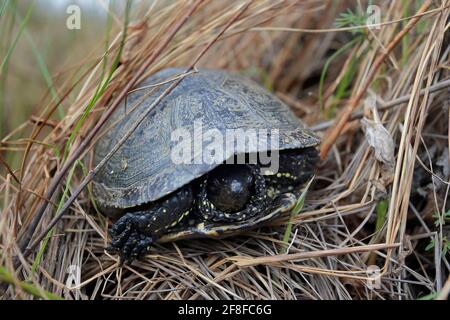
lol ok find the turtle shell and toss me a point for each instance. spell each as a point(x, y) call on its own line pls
point(143, 168)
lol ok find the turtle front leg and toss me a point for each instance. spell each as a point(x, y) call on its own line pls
point(129, 239)
point(134, 232)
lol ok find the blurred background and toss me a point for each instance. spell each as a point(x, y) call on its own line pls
point(37, 50)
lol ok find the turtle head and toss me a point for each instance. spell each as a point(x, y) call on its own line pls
point(230, 187)
point(232, 193)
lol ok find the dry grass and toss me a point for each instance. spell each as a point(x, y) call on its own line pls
point(360, 211)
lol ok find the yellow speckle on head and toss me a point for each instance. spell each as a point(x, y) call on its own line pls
point(183, 215)
point(173, 224)
point(212, 233)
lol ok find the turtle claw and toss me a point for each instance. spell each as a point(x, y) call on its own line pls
point(127, 239)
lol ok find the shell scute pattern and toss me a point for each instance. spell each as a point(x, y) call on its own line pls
point(221, 100)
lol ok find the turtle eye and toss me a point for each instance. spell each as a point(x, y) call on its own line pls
point(230, 187)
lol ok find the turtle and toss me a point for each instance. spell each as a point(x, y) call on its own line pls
point(216, 156)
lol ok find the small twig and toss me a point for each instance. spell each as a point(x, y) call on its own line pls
point(387, 105)
point(335, 131)
point(246, 262)
point(8, 168)
point(162, 82)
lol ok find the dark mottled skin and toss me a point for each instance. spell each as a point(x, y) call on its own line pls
point(133, 233)
point(230, 190)
point(228, 195)
point(300, 164)
point(209, 205)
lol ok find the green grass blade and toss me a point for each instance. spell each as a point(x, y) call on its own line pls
point(381, 210)
point(22, 26)
point(430, 296)
point(42, 66)
point(6, 277)
point(298, 207)
point(336, 54)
